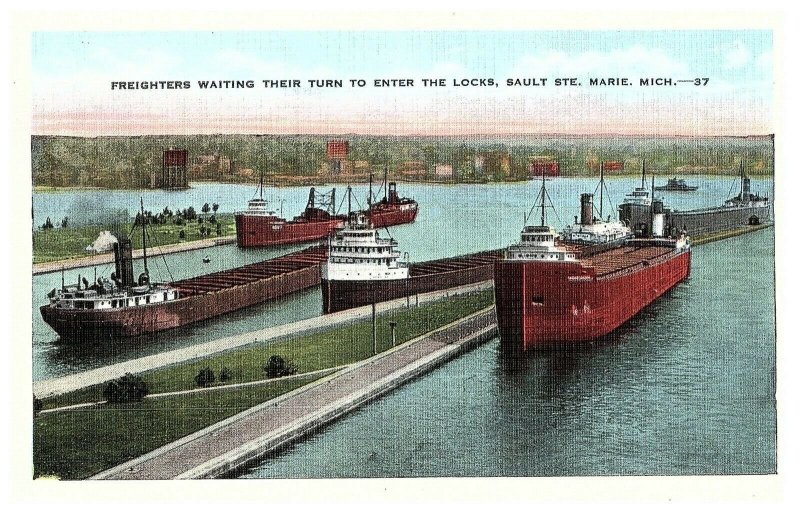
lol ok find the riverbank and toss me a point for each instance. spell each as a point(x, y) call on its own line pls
point(101, 259)
point(66, 442)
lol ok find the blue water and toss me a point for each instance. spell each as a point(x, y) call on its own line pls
point(685, 387)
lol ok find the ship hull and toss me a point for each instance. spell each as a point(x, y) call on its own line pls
point(704, 221)
point(393, 215)
point(202, 298)
point(338, 295)
point(540, 305)
point(260, 231)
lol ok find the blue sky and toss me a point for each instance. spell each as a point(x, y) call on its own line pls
point(72, 71)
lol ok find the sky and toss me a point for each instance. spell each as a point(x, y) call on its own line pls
point(72, 74)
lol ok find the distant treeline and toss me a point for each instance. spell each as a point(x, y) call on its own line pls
point(127, 162)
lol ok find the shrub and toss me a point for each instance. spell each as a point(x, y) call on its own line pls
point(37, 405)
point(277, 367)
point(205, 378)
point(225, 374)
point(128, 388)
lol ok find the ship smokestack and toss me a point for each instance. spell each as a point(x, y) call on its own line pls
point(745, 189)
point(658, 218)
point(587, 209)
point(123, 261)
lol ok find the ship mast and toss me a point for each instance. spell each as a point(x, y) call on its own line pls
point(385, 181)
point(369, 197)
point(643, 183)
point(144, 237)
point(261, 186)
point(602, 185)
point(544, 192)
point(741, 179)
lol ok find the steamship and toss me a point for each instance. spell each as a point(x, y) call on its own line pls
point(746, 208)
point(549, 291)
point(364, 268)
point(392, 209)
point(258, 226)
point(121, 306)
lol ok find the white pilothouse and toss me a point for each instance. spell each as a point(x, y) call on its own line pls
point(639, 195)
point(357, 253)
point(538, 243)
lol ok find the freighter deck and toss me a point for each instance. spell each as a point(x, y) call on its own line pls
point(458, 263)
point(251, 273)
point(623, 258)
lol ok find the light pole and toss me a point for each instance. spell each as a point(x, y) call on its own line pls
point(392, 325)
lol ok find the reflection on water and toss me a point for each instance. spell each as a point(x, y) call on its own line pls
point(685, 387)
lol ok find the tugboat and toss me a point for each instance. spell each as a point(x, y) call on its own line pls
point(676, 185)
point(591, 230)
point(548, 292)
point(260, 227)
point(392, 209)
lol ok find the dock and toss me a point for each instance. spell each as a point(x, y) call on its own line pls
point(243, 439)
point(59, 385)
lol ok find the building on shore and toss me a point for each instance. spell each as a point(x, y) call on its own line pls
point(543, 165)
point(336, 152)
point(173, 175)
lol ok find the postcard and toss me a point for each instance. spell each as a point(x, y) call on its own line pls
point(354, 253)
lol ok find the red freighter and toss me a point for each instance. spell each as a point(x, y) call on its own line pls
point(122, 306)
point(549, 293)
point(260, 227)
point(392, 209)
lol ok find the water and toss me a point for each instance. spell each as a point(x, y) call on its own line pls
point(686, 387)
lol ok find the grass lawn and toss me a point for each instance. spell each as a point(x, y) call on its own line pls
point(78, 443)
point(64, 243)
point(334, 347)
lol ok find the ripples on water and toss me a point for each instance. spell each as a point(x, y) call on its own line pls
point(686, 387)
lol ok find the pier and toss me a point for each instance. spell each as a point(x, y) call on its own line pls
point(246, 437)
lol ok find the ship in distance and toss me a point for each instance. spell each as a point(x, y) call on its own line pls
point(120, 306)
point(549, 292)
point(676, 185)
point(365, 268)
point(745, 208)
point(259, 226)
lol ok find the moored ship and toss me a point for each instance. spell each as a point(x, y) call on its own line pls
point(258, 226)
point(392, 209)
point(549, 292)
point(746, 208)
point(363, 268)
point(120, 306)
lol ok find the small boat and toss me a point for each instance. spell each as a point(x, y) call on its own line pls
point(206, 260)
point(676, 185)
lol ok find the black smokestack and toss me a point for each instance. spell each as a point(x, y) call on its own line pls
point(123, 261)
point(587, 209)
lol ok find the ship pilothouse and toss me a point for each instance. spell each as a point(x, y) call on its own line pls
point(356, 252)
point(538, 243)
point(591, 229)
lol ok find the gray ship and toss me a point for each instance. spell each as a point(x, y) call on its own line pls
point(746, 208)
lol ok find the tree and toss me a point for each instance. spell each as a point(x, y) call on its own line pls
point(182, 235)
point(219, 229)
point(278, 367)
point(205, 209)
point(48, 224)
point(128, 388)
point(215, 207)
point(205, 377)
point(225, 374)
point(64, 222)
point(190, 214)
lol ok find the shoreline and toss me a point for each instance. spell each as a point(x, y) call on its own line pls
point(108, 257)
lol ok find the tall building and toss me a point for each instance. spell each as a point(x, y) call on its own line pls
point(336, 151)
point(173, 170)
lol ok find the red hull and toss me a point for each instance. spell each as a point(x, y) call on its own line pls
point(392, 215)
point(202, 297)
point(540, 304)
point(265, 231)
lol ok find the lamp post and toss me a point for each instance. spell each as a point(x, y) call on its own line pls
point(392, 325)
